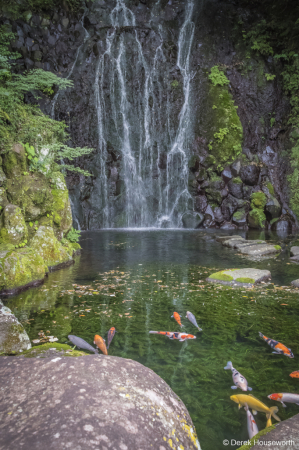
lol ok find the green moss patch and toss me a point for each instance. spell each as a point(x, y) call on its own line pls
point(258, 200)
point(245, 280)
point(277, 247)
point(221, 276)
point(225, 131)
point(45, 349)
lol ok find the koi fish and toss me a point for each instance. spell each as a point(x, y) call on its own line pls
point(192, 319)
point(289, 398)
point(100, 343)
point(174, 335)
point(79, 342)
point(177, 317)
point(280, 348)
point(256, 405)
point(251, 424)
point(111, 333)
point(295, 374)
point(238, 379)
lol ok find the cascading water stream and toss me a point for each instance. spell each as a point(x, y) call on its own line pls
point(132, 118)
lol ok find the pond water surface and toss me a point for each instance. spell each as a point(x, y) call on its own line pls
point(135, 280)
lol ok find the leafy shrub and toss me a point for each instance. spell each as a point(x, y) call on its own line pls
point(73, 235)
point(217, 77)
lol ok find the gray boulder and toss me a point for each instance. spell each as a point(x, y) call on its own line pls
point(90, 402)
point(227, 175)
point(295, 283)
point(192, 219)
point(13, 337)
point(250, 174)
point(235, 188)
point(235, 168)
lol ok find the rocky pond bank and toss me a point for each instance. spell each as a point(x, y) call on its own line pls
point(35, 220)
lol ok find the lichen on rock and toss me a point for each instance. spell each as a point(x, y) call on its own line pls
point(13, 227)
point(13, 336)
point(49, 248)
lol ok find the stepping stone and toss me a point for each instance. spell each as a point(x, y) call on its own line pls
point(260, 249)
point(295, 283)
point(240, 277)
point(222, 238)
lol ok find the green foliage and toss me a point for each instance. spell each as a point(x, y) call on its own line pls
point(270, 188)
point(220, 135)
point(217, 77)
point(277, 247)
point(73, 235)
point(294, 180)
point(269, 77)
point(237, 180)
point(272, 121)
point(175, 84)
point(258, 216)
point(21, 9)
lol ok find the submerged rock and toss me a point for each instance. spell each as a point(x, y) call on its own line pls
point(90, 402)
point(13, 336)
point(240, 277)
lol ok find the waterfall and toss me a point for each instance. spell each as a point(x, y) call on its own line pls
point(135, 119)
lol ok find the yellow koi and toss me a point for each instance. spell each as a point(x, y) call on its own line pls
point(256, 405)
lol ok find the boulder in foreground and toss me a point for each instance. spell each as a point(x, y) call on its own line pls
point(92, 402)
point(240, 277)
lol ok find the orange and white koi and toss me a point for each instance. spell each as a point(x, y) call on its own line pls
point(279, 348)
point(111, 334)
point(251, 423)
point(177, 317)
point(295, 374)
point(284, 397)
point(174, 335)
point(100, 343)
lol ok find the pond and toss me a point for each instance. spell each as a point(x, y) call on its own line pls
point(135, 279)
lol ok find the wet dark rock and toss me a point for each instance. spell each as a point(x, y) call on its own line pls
point(209, 218)
point(192, 219)
point(218, 215)
point(273, 208)
point(235, 168)
point(228, 226)
point(91, 402)
point(283, 226)
point(227, 175)
point(201, 175)
point(247, 191)
point(224, 192)
point(235, 187)
point(248, 153)
point(269, 157)
point(240, 218)
point(229, 206)
point(193, 163)
point(201, 203)
point(250, 174)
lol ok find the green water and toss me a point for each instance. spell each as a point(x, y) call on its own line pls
point(135, 280)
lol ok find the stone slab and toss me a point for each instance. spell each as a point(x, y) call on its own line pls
point(295, 251)
point(285, 436)
point(232, 242)
point(258, 250)
point(220, 238)
point(93, 402)
point(255, 275)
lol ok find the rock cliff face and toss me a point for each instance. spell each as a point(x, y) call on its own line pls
point(175, 145)
point(36, 214)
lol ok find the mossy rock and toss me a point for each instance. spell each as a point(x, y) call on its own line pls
point(49, 248)
point(62, 213)
point(20, 267)
point(13, 227)
point(14, 162)
point(43, 350)
point(3, 198)
point(32, 193)
point(258, 200)
point(13, 336)
point(257, 219)
point(225, 128)
point(252, 441)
